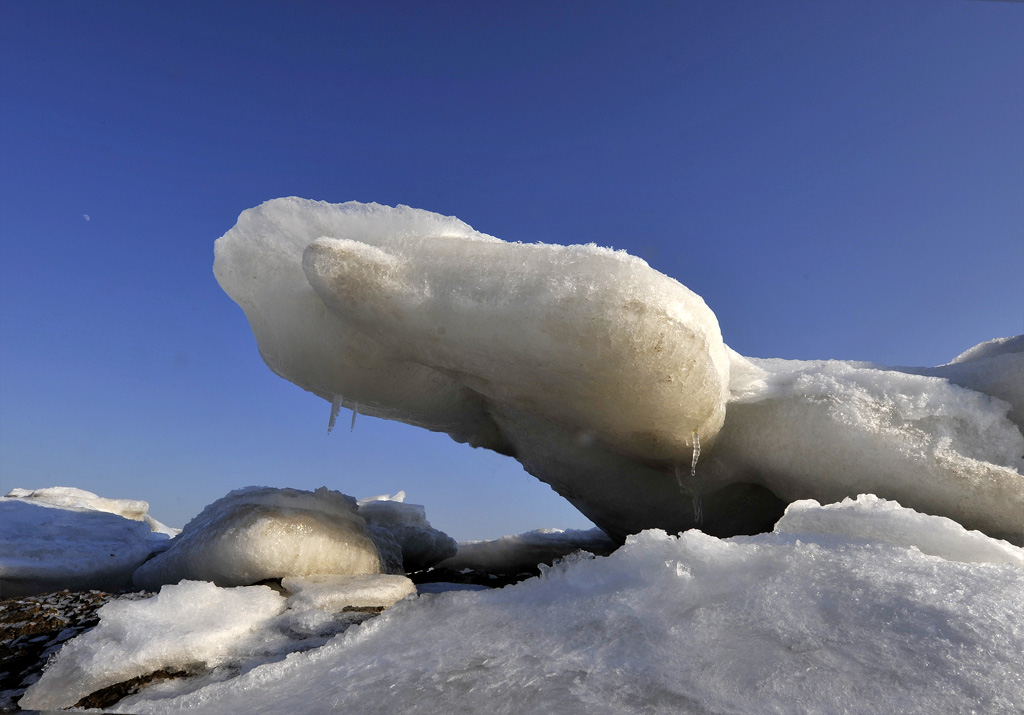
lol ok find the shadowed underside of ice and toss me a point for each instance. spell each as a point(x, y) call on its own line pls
point(860, 607)
point(602, 375)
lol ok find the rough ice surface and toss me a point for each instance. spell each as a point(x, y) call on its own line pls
point(522, 553)
point(805, 619)
point(261, 533)
point(829, 429)
point(186, 627)
point(328, 592)
point(58, 538)
point(587, 365)
point(421, 545)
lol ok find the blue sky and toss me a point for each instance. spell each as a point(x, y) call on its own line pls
point(836, 179)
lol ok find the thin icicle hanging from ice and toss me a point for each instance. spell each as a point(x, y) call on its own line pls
point(698, 507)
point(355, 411)
point(335, 409)
point(690, 486)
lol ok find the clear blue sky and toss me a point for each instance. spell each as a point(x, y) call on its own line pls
point(836, 179)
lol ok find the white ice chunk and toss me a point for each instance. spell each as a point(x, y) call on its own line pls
point(328, 592)
point(872, 519)
point(45, 547)
point(421, 545)
point(522, 553)
point(184, 626)
point(679, 624)
point(578, 360)
point(261, 533)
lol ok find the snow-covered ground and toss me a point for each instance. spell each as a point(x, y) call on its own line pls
point(861, 606)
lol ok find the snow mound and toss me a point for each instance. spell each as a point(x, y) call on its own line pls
point(185, 627)
point(817, 621)
point(578, 360)
point(522, 553)
point(421, 545)
point(47, 546)
point(328, 592)
point(261, 533)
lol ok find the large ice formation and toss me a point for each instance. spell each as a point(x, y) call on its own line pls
point(818, 616)
point(261, 533)
point(601, 375)
point(64, 538)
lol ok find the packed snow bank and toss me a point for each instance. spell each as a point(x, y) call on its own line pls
point(187, 627)
point(261, 533)
point(421, 545)
point(829, 429)
point(575, 359)
point(522, 553)
point(805, 619)
point(60, 540)
point(605, 378)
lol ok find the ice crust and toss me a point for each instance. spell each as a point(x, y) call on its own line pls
point(135, 509)
point(261, 533)
point(522, 553)
point(421, 545)
point(599, 374)
point(817, 616)
point(63, 538)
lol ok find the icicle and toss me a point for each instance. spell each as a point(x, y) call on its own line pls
point(698, 507)
point(335, 408)
point(355, 411)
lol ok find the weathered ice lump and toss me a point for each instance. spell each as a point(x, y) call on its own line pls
point(391, 519)
point(261, 533)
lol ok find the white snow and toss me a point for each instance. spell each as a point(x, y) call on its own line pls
point(818, 616)
point(421, 545)
point(62, 538)
point(261, 533)
point(522, 553)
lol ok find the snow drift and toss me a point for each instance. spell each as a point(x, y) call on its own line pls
point(603, 376)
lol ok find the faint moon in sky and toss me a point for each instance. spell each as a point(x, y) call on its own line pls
point(85, 216)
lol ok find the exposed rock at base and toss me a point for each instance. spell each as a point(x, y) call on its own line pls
point(261, 533)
